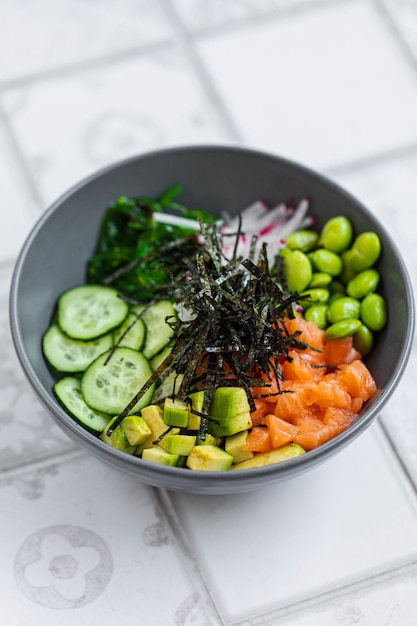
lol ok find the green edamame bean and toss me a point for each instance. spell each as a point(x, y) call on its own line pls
point(304, 240)
point(336, 234)
point(347, 272)
point(326, 261)
point(344, 328)
point(363, 340)
point(298, 270)
point(314, 296)
point(363, 283)
point(365, 251)
point(343, 308)
point(320, 279)
point(317, 313)
point(374, 311)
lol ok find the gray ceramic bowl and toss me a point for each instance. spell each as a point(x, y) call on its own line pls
point(214, 178)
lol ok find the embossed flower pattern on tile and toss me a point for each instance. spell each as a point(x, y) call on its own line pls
point(63, 567)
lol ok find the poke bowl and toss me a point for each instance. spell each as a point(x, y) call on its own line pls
point(208, 192)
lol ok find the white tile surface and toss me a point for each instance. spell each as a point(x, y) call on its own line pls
point(339, 524)
point(70, 127)
point(100, 555)
point(404, 15)
point(40, 35)
point(314, 87)
point(17, 208)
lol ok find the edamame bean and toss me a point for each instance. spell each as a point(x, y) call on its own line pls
point(304, 240)
point(334, 297)
point(336, 286)
point(363, 340)
point(298, 270)
point(363, 283)
point(336, 234)
point(320, 279)
point(341, 329)
point(343, 308)
point(365, 251)
point(314, 296)
point(374, 311)
point(317, 313)
point(326, 261)
point(347, 273)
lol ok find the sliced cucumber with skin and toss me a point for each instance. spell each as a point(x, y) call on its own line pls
point(110, 387)
point(131, 334)
point(90, 311)
point(72, 355)
point(158, 332)
point(68, 392)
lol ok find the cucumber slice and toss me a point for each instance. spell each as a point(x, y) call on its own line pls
point(68, 393)
point(72, 355)
point(158, 332)
point(131, 334)
point(89, 311)
point(109, 388)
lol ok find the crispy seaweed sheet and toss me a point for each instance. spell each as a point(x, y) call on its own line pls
point(233, 333)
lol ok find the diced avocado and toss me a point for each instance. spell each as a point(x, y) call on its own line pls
point(156, 454)
point(117, 439)
point(230, 411)
point(175, 412)
point(209, 458)
point(231, 425)
point(178, 444)
point(209, 440)
point(153, 416)
point(228, 402)
point(269, 458)
point(197, 399)
point(135, 429)
point(235, 445)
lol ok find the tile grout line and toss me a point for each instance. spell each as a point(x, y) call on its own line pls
point(186, 44)
point(396, 34)
point(258, 19)
point(185, 548)
point(402, 465)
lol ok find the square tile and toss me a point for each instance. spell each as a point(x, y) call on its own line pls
point(338, 524)
point(93, 547)
point(69, 127)
point(314, 87)
point(73, 31)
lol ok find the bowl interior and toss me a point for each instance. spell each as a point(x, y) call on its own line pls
point(215, 179)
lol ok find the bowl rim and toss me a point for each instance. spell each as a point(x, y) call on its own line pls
point(182, 478)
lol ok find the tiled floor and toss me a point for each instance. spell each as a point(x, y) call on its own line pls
point(330, 83)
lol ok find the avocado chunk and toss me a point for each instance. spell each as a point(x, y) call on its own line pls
point(235, 445)
point(153, 416)
point(135, 429)
point(197, 399)
point(117, 439)
point(209, 458)
point(230, 411)
point(156, 454)
point(284, 453)
point(175, 413)
point(178, 444)
point(209, 440)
